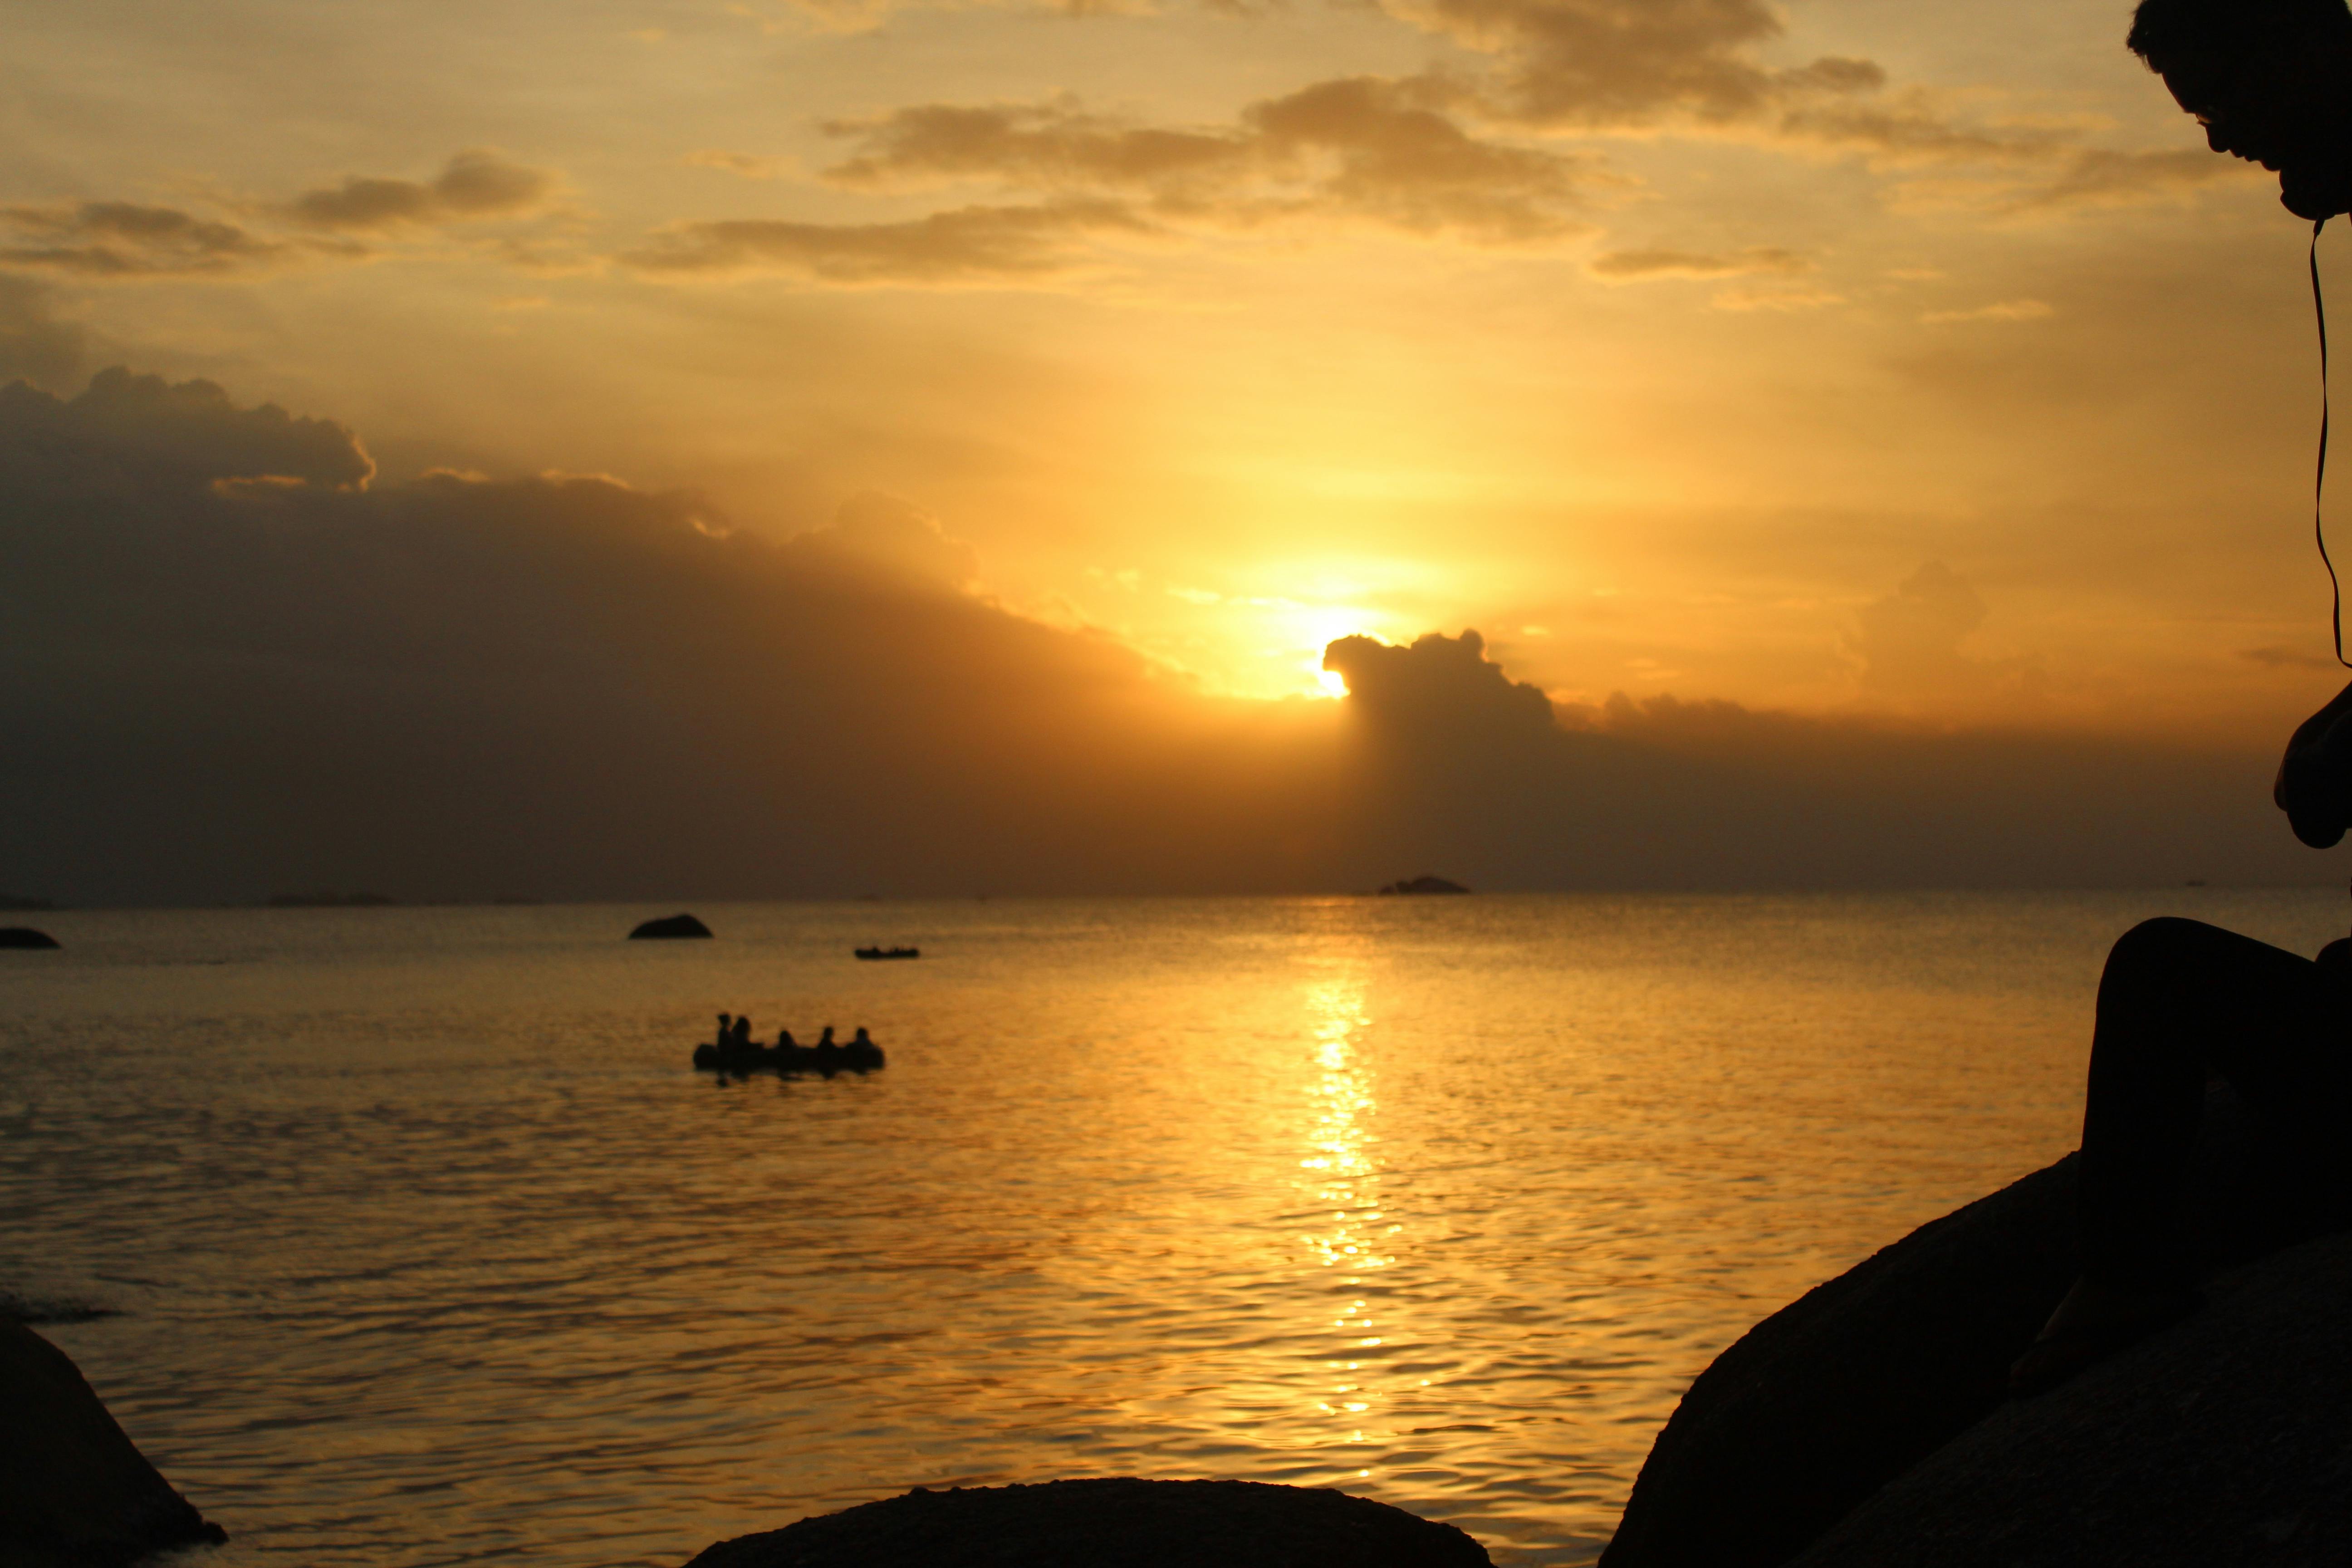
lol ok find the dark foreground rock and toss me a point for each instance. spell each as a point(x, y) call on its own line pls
point(1109, 1524)
point(25, 936)
point(74, 1490)
point(1836, 1394)
point(2225, 1439)
point(669, 926)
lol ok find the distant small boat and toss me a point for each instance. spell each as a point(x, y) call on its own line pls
point(873, 952)
point(856, 1055)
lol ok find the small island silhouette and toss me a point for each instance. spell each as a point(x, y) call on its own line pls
point(1424, 883)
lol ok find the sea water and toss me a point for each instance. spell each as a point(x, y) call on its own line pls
point(423, 1244)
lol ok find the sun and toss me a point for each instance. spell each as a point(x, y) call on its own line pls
point(1334, 684)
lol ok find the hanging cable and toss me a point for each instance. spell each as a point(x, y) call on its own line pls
point(2319, 477)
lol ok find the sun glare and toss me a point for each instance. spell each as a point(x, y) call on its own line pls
point(1334, 684)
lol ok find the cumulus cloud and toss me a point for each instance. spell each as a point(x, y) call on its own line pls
point(883, 533)
point(1438, 681)
point(229, 665)
point(122, 239)
point(1908, 645)
point(140, 430)
point(478, 184)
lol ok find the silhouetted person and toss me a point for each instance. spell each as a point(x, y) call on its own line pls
point(824, 1041)
point(743, 1036)
point(861, 1037)
point(724, 1036)
point(784, 1040)
point(2271, 80)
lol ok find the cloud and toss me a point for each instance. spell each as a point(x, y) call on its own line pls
point(1776, 297)
point(477, 183)
point(1641, 265)
point(35, 345)
point(1437, 682)
point(2101, 177)
point(2275, 657)
point(2039, 169)
point(975, 245)
point(1907, 644)
point(2001, 311)
point(126, 429)
point(127, 241)
point(122, 239)
point(1614, 64)
point(882, 534)
point(1357, 149)
point(215, 686)
point(751, 166)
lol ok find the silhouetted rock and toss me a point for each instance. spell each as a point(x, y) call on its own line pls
point(75, 1492)
point(25, 936)
point(1109, 1524)
point(1425, 884)
point(2226, 1438)
point(1836, 1394)
point(669, 926)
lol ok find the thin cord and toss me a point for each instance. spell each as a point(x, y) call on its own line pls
point(2319, 478)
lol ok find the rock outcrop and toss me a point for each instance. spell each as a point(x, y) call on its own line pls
point(75, 1492)
point(2227, 1438)
point(1818, 1407)
point(25, 936)
point(1109, 1524)
point(669, 926)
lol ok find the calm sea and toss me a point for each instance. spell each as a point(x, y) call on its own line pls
point(428, 1248)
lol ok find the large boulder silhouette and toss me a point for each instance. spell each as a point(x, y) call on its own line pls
point(75, 1492)
point(1832, 1398)
point(669, 926)
point(25, 936)
point(2227, 1438)
point(1109, 1524)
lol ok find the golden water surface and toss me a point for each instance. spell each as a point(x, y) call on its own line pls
point(426, 1246)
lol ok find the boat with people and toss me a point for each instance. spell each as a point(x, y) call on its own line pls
point(870, 954)
point(734, 1051)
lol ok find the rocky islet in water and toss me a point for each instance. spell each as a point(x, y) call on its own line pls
point(669, 928)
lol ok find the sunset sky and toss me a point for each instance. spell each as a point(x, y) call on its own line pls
point(1854, 360)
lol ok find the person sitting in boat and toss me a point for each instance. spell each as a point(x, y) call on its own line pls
point(861, 1040)
point(741, 1040)
point(825, 1042)
point(784, 1041)
point(724, 1020)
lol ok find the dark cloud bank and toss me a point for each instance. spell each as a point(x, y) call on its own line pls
point(235, 662)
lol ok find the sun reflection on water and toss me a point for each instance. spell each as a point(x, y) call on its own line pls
point(1344, 1182)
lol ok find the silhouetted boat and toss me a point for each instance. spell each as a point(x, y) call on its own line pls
point(858, 1056)
point(872, 953)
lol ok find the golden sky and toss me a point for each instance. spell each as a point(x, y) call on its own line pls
point(1845, 357)
point(1664, 341)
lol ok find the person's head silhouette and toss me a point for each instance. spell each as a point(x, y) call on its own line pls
point(2271, 80)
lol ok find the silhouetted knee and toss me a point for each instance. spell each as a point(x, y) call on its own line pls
point(2158, 955)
